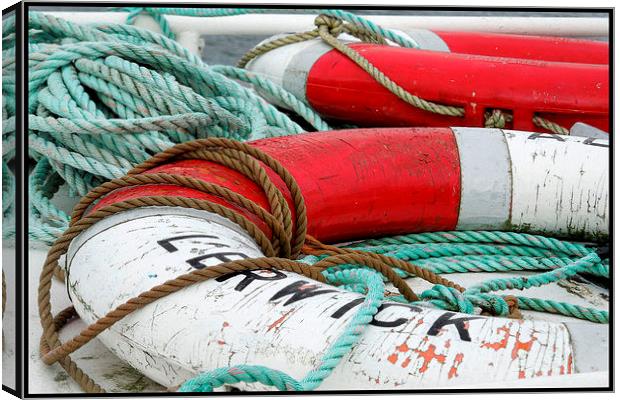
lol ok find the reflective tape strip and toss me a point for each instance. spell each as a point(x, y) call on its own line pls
point(486, 186)
point(427, 40)
point(288, 66)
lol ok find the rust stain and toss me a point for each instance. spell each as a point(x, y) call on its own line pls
point(502, 343)
point(458, 359)
point(519, 345)
point(280, 320)
point(429, 355)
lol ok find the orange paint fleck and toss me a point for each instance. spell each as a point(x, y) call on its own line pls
point(561, 370)
point(570, 364)
point(519, 345)
point(406, 362)
point(225, 324)
point(521, 374)
point(539, 373)
point(458, 359)
point(280, 320)
point(502, 343)
point(221, 342)
point(393, 358)
point(428, 355)
point(447, 344)
point(403, 347)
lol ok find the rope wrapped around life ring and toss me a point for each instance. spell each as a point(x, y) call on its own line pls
point(287, 243)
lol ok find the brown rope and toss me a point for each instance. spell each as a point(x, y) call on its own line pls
point(252, 163)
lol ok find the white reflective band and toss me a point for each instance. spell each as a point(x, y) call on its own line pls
point(560, 183)
point(427, 40)
point(486, 185)
point(288, 66)
point(297, 70)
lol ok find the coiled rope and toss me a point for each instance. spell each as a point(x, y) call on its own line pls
point(103, 98)
point(360, 269)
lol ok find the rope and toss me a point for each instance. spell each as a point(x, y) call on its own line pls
point(356, 268)
point(104, 98)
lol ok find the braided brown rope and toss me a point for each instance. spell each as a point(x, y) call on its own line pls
point(242, 158)
point(328, 28)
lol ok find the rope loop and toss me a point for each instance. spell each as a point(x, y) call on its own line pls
point(333, 25)
point(496, 119)
point(448, 298)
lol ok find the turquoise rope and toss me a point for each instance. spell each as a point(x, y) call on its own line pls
point(206, 382)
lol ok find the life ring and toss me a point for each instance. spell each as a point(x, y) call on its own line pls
point(562, 92)
point(287, 321)
point(425, 179)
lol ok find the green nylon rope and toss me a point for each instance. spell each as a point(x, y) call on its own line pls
point(493, 251)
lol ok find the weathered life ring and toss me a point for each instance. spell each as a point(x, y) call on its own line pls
point(425, 179)
point(332, 84)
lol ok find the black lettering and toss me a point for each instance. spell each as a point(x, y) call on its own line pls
point(343, 310)
point(300, 290)
point(385, 324)
point(223, 257)
point(459, 324)
point(590, 142)
point(165, 243)
point(396, 322)
point(250, 277)
point(559, 138)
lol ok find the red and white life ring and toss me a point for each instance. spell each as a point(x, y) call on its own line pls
point(337, 88)
point(404, 180)
point(425, 179)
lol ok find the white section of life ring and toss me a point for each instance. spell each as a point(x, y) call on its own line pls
point(280, 320)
